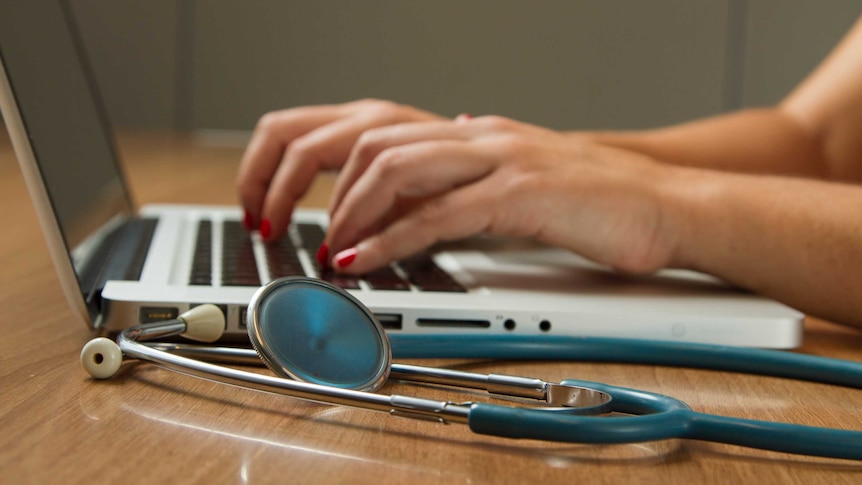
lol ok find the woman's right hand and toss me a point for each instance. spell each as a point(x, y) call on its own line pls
point(289, 147)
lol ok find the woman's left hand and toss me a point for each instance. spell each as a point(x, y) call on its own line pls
point(405, 187)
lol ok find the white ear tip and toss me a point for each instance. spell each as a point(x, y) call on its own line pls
point(101, 358)
point(204, 323)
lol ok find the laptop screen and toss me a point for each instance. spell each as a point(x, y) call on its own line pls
point(44, 63)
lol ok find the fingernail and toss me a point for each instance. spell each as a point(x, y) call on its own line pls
point(464, 117)
point(345, 258)
point(265, 228)
point(323, 255)
point(248, 221)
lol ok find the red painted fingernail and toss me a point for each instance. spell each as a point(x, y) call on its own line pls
point(464, 117)
point(248, 221)
point(265, 228)
point(344, 258)
point(323, 255)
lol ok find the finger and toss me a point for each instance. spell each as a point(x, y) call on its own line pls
point(423, 169)
point(326, 147)
point(454, 215)
point(373, 142)
point(274, 132)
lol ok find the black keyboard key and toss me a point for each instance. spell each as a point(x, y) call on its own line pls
point(424, 273)
point(347, 282)
point(312, 236)
point(386, 279)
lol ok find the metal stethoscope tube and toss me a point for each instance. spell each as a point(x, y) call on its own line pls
point(178, 357)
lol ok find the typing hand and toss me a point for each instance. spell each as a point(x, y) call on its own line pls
point(289, 147)
point(405, 187)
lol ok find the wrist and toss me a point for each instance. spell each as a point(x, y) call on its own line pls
point(691, 219)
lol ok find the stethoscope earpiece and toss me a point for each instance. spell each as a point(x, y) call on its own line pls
point(101, 358)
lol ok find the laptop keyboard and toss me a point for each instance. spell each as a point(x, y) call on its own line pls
point(239, 267)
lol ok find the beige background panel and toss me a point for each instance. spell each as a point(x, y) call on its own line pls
point(562, 64)
point(219, 64)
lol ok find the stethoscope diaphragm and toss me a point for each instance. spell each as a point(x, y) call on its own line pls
point(309, 330)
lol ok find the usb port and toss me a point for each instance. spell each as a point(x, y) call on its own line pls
point(151, 314)
point(242, 316)
point(389, 321)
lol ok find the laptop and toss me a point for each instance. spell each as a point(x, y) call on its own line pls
point(120, 265)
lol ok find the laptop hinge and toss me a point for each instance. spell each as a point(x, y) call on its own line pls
point(120, 256)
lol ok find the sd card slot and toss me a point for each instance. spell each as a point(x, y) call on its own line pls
point(452, 322)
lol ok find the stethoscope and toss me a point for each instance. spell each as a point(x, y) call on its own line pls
point(327, 347)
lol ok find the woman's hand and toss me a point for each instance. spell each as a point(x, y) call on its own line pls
point(289, 147)
point(408, 186)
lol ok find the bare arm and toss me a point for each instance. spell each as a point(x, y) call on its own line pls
point(795, 240)
point(798, 241)
point(753, 141)
point(816, 131)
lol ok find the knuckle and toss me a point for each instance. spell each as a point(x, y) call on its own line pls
point(508, 147)
point(368, 145)
point(385, 110)
point(522, 182)
point(302, 150)
point(241, 184)
point(498, 123)
point(366, 102)
point(300, 146)
point(389, 163)
point(387, 243)
point(248, 188)
point(269, 121)
point(433, 212)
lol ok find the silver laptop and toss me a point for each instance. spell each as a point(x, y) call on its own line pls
point(119, 266)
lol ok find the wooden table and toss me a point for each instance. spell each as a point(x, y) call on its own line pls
point(155, 426)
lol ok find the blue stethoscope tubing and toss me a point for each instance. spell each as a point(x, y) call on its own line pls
point(657, 417)
point(743, 360)
point(654, 416)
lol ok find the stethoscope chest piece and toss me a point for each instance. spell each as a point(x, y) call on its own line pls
point(311, 331)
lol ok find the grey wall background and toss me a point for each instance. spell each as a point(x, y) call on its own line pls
point(220, 64)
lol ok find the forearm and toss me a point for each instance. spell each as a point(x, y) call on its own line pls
point(797, 241)
point(753, 141)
